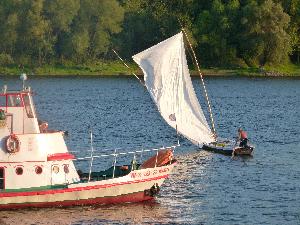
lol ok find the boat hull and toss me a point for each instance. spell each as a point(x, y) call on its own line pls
point(243, 150)
point(220, 150)
point(222, 147)
point(133, 197)
point(228, 148)
point(134, 187)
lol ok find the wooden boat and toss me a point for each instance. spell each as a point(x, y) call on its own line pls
point(228, 147)
point(243, 150)
point(223, 147)
point(37, 170)
point(168, 81)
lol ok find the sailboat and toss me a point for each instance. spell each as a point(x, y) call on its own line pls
point(169, 83)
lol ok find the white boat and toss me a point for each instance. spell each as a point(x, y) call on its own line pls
point(168, 81)
point(37, 170)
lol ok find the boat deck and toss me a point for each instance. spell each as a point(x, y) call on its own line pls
point(112, 172)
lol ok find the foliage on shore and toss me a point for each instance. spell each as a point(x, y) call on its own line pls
point(76, 36)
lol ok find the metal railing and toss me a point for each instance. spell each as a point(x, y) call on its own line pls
point(117, 154)
point(124, 153)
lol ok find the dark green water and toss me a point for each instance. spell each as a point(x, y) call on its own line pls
point(205, 188)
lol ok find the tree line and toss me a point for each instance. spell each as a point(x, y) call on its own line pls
point(224, 32)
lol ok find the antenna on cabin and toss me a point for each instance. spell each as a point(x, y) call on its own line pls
point(4, 90)
point(23, 77)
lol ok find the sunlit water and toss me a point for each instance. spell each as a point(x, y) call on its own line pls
point(205, 188)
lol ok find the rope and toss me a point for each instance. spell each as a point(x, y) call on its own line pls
point(203, 84)
point(128, 67)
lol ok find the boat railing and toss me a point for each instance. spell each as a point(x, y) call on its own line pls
point(117, 154)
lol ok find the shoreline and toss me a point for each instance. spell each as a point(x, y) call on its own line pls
point(115, 68)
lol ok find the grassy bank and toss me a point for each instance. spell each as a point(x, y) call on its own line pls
point(267, 71)
point(100, 68)
point(117, 68)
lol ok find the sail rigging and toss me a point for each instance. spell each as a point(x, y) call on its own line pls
point(169, 83)
point(203, 85)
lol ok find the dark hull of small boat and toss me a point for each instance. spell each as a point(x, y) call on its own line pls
point(227, 151)
point(243, 150)
point(217, 150)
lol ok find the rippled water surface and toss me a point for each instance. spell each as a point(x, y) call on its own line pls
point(205, 188)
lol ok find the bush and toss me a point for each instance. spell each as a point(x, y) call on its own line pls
point(238, 63)
point(24, 60)
point(6, 59)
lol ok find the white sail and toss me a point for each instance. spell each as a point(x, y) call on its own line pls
point(169, 83)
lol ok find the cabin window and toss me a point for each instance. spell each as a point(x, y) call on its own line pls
point(2, 178)
point(19, 170)
point(66, 168)
point(55, 169)
point(2, 101)
point(38, 170)
point(14, 101)
point(28, 106)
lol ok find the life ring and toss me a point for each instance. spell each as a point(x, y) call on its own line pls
point(13, 144)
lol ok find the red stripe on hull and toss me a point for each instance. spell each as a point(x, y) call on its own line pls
point(60, 156)
point(31, 193)
point(133, 197)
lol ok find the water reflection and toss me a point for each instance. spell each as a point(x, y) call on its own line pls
point(148, 212)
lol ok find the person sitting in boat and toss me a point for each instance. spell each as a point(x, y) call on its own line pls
point(243, 137)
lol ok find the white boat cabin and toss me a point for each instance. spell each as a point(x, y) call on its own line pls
point(31, 156)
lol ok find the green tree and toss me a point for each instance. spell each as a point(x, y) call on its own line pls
point(8, 26)
point(93, 29)
point(223, 32)
point(148, 22)
point(292, 7)
point(35, 39)
point(140, 29)
point(61, 14)
point(214, 30)
point(264, 37)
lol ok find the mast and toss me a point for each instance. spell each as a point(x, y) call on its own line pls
point(203, 84)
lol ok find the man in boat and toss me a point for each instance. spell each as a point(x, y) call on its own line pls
point(243, 137)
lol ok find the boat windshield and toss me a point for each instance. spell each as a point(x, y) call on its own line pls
point(14, 101)
point(28, 103)
point(2, 101)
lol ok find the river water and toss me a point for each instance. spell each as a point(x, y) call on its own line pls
point(205, 188)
